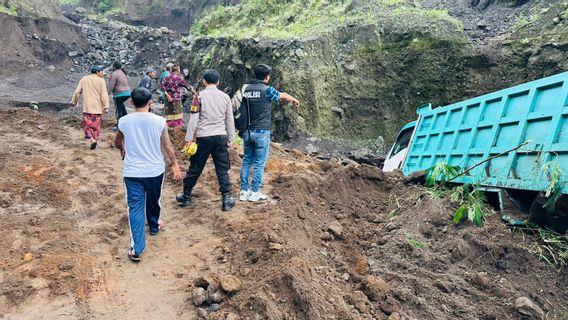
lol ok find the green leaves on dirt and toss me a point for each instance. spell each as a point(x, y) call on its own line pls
point(417, 243)
point(558, 243)
point(551, 247)
point(441, 174)
point(469, 197)
point(554, 191)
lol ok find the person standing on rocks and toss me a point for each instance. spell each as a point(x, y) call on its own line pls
point(118, 86)
point(172, 86)
point(213, 127)
point(256, 139)
point(141, 138)
point(164, 74)
point(95, 102)
point(146, 81)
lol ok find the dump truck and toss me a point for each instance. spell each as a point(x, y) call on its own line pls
point(505, 139)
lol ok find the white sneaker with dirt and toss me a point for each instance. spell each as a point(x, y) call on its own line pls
point(257, 196)
point(245, 195)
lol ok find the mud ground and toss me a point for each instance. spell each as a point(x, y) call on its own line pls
point(336, 241)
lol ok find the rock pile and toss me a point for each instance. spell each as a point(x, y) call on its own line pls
point(209, 291)
point(136, 47)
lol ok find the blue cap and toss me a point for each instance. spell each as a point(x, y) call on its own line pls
point(95, 69)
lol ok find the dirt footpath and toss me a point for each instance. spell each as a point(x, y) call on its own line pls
point(337, 241)
point(66, 231)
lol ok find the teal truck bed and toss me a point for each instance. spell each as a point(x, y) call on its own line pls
point(468, 132)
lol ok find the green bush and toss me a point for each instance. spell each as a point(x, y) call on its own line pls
point(470, 199)
point(105, 5)
point(8, 10)
point(272, 18)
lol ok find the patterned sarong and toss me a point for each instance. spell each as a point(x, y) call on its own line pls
point(92, 125)
point(174, 113)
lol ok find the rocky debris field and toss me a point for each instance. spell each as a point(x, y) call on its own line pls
point(484, 20)
point(50, 56)
point(136, 47)
point(64, 47)
point(336, 241)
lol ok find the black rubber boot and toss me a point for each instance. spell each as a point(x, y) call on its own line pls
point(183, 199)
point(228, 202)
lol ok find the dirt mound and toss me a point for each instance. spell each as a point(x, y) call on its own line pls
point(354, 243)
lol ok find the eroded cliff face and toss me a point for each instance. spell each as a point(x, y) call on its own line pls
point(358, 82)
point(29, 42)
point(361, 81)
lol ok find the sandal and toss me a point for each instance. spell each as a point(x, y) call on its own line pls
point(160, 228)
point(134, 257)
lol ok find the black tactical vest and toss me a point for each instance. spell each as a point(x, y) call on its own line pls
point(260, 108)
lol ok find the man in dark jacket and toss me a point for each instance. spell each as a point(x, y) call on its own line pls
point(259, 96)
point(146, 81)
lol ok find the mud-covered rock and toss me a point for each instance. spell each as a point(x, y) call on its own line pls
point(198, 296)
point(217, 296)
point(375, 288)
point(390, 305)
point(202, 313)
point(360, 301)
point(230, 283)
point(206, 281)
point(527, 307)
point(394, 316)
point(336, 229)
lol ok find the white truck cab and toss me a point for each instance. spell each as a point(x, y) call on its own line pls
point(397, 154)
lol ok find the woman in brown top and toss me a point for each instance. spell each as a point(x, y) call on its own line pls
point(118, 86)
point(95, 103)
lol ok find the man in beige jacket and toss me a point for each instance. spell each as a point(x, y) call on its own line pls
point(95, 102)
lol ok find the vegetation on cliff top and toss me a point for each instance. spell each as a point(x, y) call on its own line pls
point(287, 19)
point(30, 8)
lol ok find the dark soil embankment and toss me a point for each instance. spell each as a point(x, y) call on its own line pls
point(354, 243)
point(31, 43)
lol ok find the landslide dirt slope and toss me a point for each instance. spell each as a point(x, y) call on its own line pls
point(336, 242)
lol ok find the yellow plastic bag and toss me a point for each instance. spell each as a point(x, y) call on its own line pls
point(190, 150)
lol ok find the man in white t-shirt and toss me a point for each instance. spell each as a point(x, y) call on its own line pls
point(141, 137)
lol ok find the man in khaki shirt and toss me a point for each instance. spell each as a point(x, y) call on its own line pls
point(213, 128)
point(95, 102)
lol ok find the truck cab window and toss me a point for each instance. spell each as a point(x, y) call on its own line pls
point(402, 141)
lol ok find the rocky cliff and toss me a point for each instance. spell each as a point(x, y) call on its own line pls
point(362, 72)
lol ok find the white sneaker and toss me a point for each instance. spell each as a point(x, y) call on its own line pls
point(245, 195)
point(257, 196)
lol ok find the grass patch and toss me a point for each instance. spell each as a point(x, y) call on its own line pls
point(287, 19)
point(68, 2)
point(271, 18)
point(405, 12)
point(9, 10)
point(416, 243)
point(110, 7)
point(520, 23)
point(551, 247)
